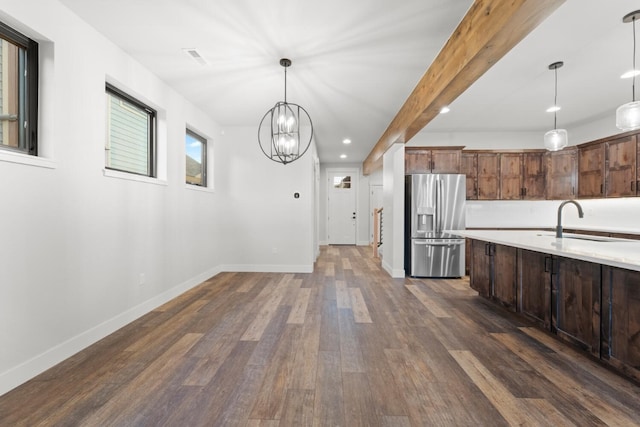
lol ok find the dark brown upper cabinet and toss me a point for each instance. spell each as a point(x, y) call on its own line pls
point(432, 159)
point(562, 173)
point(609, 167)
point(469, 167)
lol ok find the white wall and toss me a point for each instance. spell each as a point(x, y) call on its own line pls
point(83, 253)
point(478, 140)
point(392, 250)
point(619, 215)
point(265, 228)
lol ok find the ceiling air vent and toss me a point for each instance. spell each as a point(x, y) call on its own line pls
point(195, 55)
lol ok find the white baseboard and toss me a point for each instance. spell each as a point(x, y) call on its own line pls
point(397, 273)
point(51, 357)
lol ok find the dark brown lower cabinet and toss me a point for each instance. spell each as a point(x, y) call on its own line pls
point(575, 302)
point(493, 272)
point(592, 306)
point(481, 266)
point(505, 276)
point(534, 287)
point(621, 320)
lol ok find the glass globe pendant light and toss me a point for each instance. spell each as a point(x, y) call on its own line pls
point(556, 139)
point(285, 131)
point(628, 115)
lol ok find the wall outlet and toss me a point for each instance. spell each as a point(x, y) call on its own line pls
point(141, 279)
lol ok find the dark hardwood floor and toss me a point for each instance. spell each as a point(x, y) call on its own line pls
point(344, 346)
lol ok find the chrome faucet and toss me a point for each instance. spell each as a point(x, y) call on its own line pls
point(559, 226)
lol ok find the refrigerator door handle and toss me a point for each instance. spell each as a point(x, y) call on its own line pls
point(440, 202)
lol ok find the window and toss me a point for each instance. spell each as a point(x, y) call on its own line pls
point(342, 181)
point(131, 133)
point(18, 91)
point(196, 159)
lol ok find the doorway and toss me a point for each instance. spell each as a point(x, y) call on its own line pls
point(341, 193)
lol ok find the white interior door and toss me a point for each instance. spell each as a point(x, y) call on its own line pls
point(342, 208)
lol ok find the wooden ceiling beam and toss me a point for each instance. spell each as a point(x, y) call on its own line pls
point(486, 33)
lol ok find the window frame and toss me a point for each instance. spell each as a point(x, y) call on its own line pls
point(30, 121)
point(205, 160)
point(152, 114)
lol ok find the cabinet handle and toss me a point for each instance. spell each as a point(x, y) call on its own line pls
point(601, 189)
point(486, 249)
point(632, 190)
point(546, 264)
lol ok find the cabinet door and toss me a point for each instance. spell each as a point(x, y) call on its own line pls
point(445, 161)
point(480, 278)
point(504, 276)
point(591, 170)
point(575, 302)
point(561, 174)
point(621, 319)
point(533, 173)
point(417, 161)
point(621, 167)
point(488, 176)
point(510, 176)
point(469, 167)
point(534, 287)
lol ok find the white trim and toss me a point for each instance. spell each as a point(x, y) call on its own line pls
point(396, 274)
point(40, 363)
point(110, 173)
point(200, 188)
point(27, 159)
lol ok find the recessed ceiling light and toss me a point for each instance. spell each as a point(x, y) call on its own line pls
point(444, 110)
point(554, 108)
point(346, 141)
point(630, 73)
point(343, 156)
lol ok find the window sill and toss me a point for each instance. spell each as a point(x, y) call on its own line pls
point(26, 159)
point(133, 177)
point(199, 188)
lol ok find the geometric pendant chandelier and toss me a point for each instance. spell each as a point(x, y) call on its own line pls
point(285, 131)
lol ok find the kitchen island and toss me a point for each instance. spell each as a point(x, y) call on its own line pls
point(615, 252)
point(583, 289)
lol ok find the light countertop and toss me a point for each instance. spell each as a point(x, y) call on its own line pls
point(621, 253)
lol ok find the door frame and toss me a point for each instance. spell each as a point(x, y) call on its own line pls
point(355, 182)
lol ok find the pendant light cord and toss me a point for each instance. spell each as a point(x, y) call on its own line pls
point(285, 85)
point(633, 84)
point(555, 100)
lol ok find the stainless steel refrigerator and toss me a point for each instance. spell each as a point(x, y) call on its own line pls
point(434, 203)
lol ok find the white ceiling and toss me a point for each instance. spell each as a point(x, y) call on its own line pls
point(355, 62)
